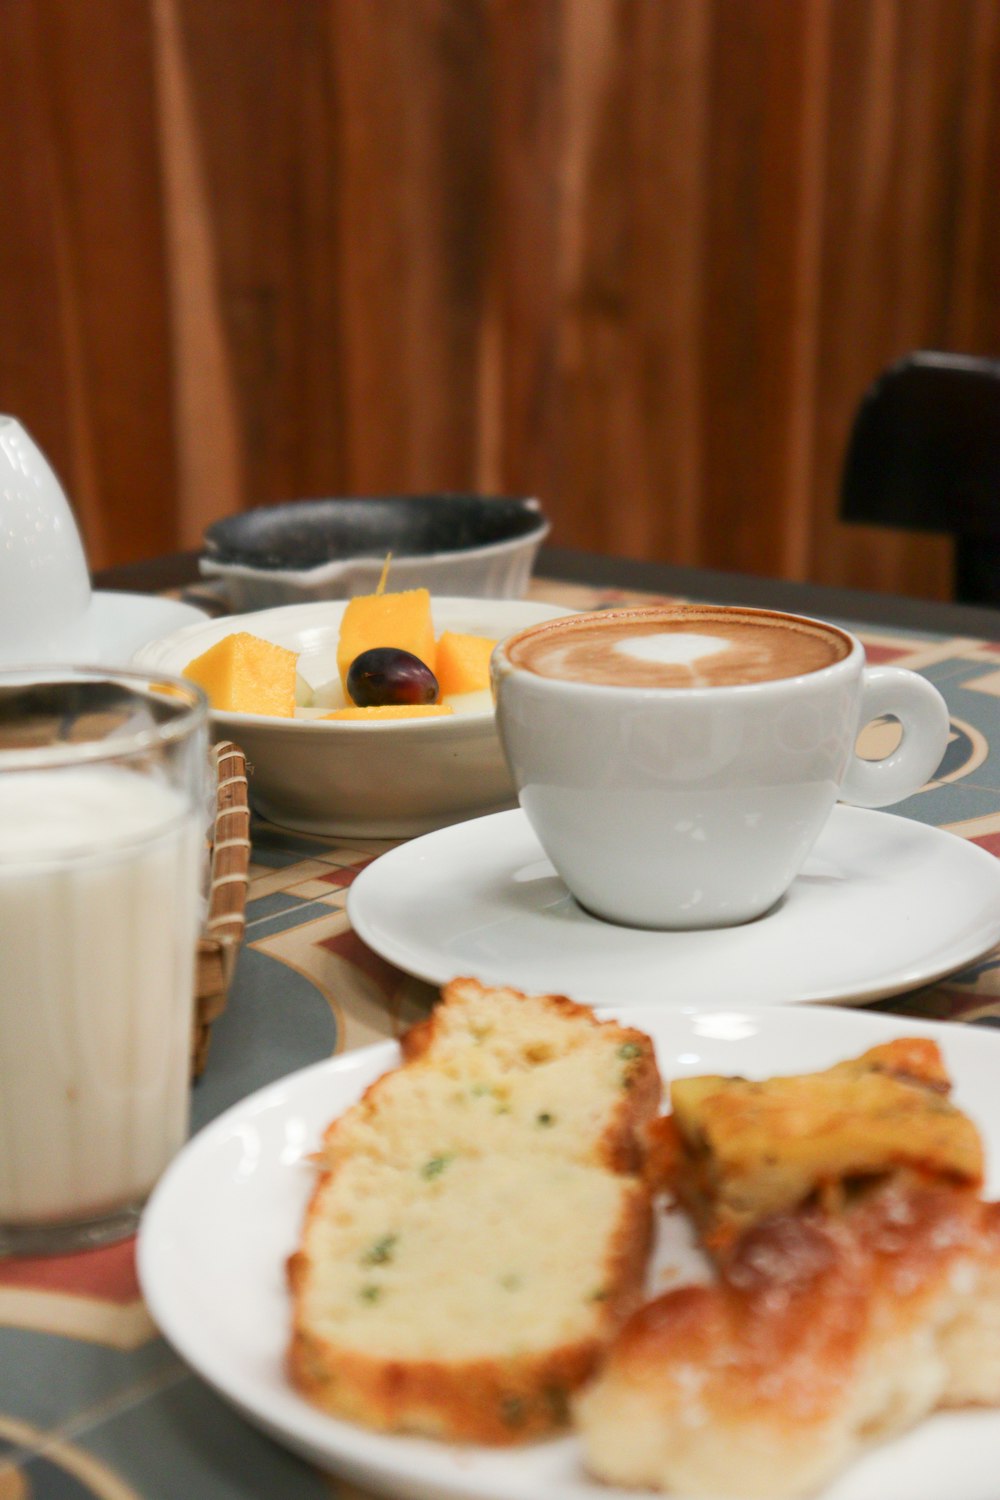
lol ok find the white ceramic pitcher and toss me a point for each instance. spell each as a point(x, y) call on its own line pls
point(44, 582)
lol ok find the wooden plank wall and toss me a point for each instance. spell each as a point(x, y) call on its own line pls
point(639, 257)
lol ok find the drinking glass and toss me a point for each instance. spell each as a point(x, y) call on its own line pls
point(103, 810)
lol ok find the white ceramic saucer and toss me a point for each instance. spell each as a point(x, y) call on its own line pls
point(884, 904)
point(119, 625)
point(115, 627)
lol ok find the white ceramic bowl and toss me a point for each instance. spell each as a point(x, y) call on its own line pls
point(387, 780)
point(304, 550)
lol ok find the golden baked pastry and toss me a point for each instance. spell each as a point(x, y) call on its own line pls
point(737, 1151)
point(856, 1289)
point(824, 1333)
point(481, 1227)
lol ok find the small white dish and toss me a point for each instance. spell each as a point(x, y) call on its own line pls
point(883, 904)
point(216, 1235)
point(350, 778)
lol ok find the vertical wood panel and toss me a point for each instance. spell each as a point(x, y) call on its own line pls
point(525, 207)
point(79, 125)
point(596, 385)
point(741, 496)
point(669, 249)
point(804, 224)
point(630, 366)
point(39, 338)
point(974, 300)
point(99, 64)
point(639, 258)
point(412, 87)
point(201, 362)
point(898, 171)
point(262, 111)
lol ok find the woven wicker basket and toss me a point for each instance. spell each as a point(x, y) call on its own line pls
point(226, 918)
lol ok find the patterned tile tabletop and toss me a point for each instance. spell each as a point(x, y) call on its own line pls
point(92, 1401)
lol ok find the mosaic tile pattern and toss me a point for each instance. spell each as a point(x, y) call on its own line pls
point(92, 1402)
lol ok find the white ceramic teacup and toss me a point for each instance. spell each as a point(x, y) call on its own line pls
point(44, 582)
point(696, 804)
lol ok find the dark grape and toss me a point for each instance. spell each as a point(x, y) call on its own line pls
point(387, 675)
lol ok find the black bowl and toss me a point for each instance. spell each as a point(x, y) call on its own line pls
point(301, 534)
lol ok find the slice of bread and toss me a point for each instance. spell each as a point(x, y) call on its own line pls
point(481, 1226)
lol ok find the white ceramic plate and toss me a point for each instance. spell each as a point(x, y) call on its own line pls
point(388, 780)
point(214, 1240)
point(883, 904)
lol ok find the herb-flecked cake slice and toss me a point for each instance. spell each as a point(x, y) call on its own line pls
point(481, 1227)
point(500, 1071)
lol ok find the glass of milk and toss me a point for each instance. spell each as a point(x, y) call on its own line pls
point(103, 798)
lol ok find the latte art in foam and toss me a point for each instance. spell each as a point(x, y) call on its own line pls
point(681, 647)
point(677, 648)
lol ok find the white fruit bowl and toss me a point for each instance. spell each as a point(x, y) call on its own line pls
point(350, 778)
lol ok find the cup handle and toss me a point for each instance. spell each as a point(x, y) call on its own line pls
point(923, 713)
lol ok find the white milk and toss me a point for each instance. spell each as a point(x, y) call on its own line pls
point(99, 913)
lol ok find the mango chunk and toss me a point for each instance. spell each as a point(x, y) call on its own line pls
point(463, 662)
point(402, 620)
point(244, 675)
point(392, 711)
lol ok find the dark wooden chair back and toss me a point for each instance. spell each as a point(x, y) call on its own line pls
point(924, 454)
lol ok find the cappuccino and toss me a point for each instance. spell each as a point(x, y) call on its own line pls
point(667, 808)
point(684, 646)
